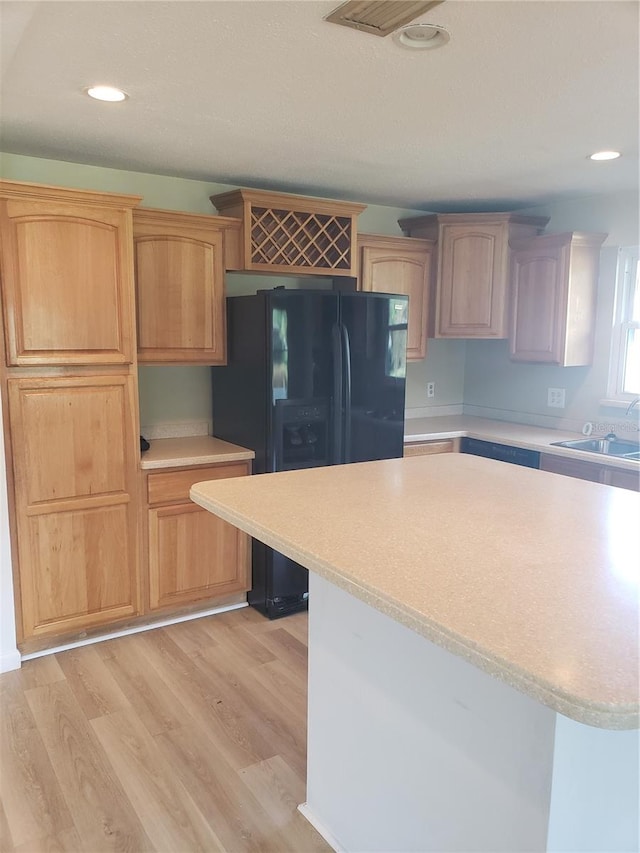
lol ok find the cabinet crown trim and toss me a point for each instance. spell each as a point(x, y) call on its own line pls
point(574, 238)
point(391, 241)
point(43, 192)
point(224, 201)
point(152, 215)
point(432, 219)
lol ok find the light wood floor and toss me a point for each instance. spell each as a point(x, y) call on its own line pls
point(185, 738)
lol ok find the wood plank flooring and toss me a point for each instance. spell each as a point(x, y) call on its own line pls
point(185, 738)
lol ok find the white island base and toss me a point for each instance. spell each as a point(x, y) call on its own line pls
point(411, 748)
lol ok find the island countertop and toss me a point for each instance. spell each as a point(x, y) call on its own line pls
point(531, 576)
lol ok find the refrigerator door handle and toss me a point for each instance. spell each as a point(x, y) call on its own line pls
point(336, 425)
point(346, 366)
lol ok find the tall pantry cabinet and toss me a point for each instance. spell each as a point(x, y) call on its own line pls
point(69, 401)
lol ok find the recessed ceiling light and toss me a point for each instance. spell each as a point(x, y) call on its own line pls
point(106, 93)
point(421, 36)
point(605, 155)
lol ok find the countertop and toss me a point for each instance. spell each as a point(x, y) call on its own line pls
point(531, 577)
point(209, 450)
point(516, 435)
point(192, 450)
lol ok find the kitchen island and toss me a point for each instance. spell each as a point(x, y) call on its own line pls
point(473, 651)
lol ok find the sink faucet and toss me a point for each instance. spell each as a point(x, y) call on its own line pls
point(631, 406)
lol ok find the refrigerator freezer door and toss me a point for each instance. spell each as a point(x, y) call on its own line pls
point(302, 325)
point(376, 330)
point(301, 357)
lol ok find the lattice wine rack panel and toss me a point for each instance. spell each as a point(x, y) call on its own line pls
point(290, 238)
point(284, 233)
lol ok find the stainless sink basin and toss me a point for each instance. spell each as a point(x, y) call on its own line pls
point(604, 446)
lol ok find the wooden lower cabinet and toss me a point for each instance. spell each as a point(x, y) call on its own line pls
point(594, 472)
point(622, 479)
point(193, 555)
point(571, 467)
point(75, 487)
point(426, 448)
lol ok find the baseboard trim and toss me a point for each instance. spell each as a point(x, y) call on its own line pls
point(10, 661)
point(135, 630)
point(333, 842)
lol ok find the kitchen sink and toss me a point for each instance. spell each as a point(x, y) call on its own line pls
point(604, 446)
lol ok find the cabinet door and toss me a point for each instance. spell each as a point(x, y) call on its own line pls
point(472, 281)
point(179, 271)
point(67, 280)
point(553, 313)
point(538, 308)
point(404, 270)
point(194, 555)
point(74, 459)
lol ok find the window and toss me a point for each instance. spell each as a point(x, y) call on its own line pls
point(624, 378)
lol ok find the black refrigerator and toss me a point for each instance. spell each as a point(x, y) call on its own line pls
point(313, 377)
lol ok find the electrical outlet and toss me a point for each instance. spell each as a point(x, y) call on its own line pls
point(555, 398)
point(431, 389)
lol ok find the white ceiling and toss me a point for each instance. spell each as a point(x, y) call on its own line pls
point(268, 94)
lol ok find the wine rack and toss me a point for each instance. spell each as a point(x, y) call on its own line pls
point(285, 233)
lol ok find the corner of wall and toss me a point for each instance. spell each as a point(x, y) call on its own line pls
point(9, 654)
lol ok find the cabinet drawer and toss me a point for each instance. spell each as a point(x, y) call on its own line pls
point(173, 486)
point(425, 448)
point(621, 478)
point(571, 468)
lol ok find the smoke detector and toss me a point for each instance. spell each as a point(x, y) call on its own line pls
point(421, 36)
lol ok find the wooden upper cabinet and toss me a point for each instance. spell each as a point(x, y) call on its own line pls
point(472, 280)
point(553, 309)
point(67, 276)
point(75, 459)
point(179, 271)
point(400, 265)
point(284, 233)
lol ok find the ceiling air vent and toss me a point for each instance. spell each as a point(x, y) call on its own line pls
point(378, 17)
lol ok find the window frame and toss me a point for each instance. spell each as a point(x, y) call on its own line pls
point(628, 260)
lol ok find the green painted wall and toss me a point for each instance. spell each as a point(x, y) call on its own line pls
point(492, 381)
point(478, 371)
point(174, 394)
